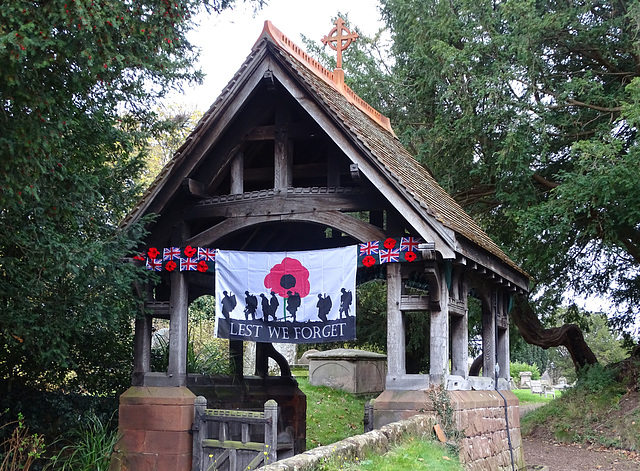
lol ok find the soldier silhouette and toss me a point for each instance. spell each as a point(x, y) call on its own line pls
point(251, 305)
point(264, 302)
point(293, 303)
point(345, 303)
point(273, 305)
point(324, 306)
point(228, 304)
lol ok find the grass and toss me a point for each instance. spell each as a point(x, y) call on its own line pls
point(411, 455)
point(527, 397)
point(602, 410)
point(334, 415)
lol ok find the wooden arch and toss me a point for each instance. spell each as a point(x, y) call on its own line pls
point(355, 228)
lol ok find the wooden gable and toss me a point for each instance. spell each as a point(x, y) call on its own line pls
point(288, 158)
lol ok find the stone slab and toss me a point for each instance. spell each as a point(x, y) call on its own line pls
point(351, 370)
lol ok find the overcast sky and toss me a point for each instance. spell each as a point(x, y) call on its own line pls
point(225, 40)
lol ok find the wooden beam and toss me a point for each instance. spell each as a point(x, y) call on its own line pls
point(299, 200)
point(299, 171)
point(194, 188)
point(415, 302)
point(261, 133)
point(283, 152)
point(293, 130)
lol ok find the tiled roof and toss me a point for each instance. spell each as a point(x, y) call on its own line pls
point(400, 166)
point(366, 125)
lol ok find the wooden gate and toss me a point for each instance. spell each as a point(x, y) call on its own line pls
point(233, 440)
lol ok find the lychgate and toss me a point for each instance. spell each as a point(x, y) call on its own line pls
point(289, 158)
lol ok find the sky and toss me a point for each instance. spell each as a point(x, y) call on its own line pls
point(226, 40)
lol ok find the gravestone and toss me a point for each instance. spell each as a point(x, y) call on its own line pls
point(525, 380)
point(351, 370)
point(304, 359)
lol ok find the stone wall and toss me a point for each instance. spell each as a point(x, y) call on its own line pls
point(480, 416)
point(377, 441)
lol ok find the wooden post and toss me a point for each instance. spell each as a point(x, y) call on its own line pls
point(503, 336)
point(200, 404)
point(271, 431)
point(439, 334)
point(237, 174)
point(141, 349)
point(333, 173)
point(460, 329)
point(488, 335)
point(460, 345)
point(282, 154)
point(396, 362)
point(178, 306)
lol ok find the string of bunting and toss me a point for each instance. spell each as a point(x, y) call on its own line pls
point(202, 259)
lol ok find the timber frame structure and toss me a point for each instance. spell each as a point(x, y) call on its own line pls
point(289, 158)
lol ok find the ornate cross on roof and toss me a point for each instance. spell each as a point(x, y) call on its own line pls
point(342, 37)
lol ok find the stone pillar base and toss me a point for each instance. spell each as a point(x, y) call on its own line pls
point(479, 415)
point(154, 423)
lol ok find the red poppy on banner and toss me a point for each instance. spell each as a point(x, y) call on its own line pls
point(288, 276)
point(368, 261)
point(389, 243)
point(171, 265)
point(410, 256)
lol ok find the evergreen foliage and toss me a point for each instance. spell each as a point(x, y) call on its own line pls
point(77, 81)
point(527, 113)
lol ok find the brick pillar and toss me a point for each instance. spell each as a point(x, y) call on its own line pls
point(154, 423)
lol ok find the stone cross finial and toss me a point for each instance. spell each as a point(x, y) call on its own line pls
point(342, 37)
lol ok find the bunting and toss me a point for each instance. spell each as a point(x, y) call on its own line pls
point(202, 259)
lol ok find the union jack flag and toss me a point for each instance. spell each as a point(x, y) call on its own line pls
point(409, 244)
point(208, 255)
point(370, 248)
point(171, 253)
point(388, 256)
point(188, 264)
point(154, 264)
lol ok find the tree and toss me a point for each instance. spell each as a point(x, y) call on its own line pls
point(77, 81)
point(176, 122)
point(607, 346)
point(527, 112)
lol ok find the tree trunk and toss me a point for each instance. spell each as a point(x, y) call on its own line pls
point(568, 335)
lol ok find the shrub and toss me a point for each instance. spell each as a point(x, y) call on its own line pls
point(209, 357)
point(21, 449)
point(517, 367)
point(90, 448)
point(596, 378)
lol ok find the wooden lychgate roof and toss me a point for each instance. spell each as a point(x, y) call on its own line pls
point(362, 133)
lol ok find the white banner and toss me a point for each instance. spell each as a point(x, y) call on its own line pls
point(296, 297)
